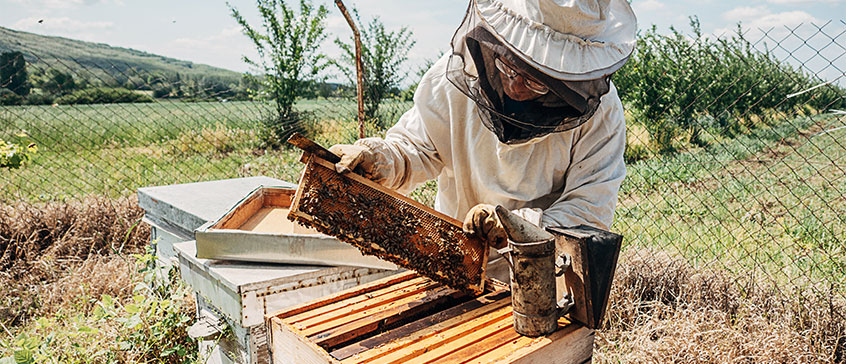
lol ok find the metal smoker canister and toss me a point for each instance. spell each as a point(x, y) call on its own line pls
point(533, 287)
point(534, 266)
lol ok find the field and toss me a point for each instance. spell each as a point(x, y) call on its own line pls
point(114, 149)
point(733, 251)
point(774, 196)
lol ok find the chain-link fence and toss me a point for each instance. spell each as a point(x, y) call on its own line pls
point(736, 149)
point(737, 169)
point(110, 121)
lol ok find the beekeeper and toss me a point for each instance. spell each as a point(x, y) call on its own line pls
point(522, 113)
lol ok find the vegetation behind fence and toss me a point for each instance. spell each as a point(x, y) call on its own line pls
point(736, 158)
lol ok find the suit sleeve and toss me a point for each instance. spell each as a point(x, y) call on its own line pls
point(596, 171)
point(408, 153)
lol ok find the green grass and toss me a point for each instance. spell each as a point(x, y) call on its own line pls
point(115, 149)
point(81, 127)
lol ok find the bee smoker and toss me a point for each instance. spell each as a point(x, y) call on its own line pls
point(534, 267)
point(558, 271)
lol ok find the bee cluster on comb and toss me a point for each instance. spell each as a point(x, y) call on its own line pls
point(388, 225)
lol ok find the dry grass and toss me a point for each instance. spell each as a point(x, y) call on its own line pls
point(52, 254)
point(663, 310)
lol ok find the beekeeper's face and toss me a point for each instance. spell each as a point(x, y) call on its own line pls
point(518, 85)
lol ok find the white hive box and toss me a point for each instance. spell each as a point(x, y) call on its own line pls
point(231, 294)
point(242, 293)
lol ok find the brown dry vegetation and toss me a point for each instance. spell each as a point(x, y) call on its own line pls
point(663, 310)
point(54, 254)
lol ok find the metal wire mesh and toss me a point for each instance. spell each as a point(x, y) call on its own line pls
point(751, 180)
point(117, 126)
point(736, 147)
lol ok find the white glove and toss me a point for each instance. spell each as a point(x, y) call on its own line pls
point(361, 160)
point(483, 222)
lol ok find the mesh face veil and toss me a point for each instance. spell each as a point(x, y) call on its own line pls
point(472, 69)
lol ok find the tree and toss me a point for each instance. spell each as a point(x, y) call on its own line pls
point(59, 83)
point(383, 54)
point(287, 45)
point(13, 75)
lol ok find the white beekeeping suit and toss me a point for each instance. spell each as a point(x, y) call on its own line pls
point(552, 150)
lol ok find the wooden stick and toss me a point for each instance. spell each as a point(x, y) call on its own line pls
point(386, 318)
point(352, 292)
point(435, 347)
point(388, 307)
point(359, 66)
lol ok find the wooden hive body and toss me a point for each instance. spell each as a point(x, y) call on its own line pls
point(407, 318)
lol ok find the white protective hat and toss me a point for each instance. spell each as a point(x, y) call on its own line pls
point(570, 40)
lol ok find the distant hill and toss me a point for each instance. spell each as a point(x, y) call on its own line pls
point(105, 63)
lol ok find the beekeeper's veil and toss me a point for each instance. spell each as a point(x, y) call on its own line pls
point(570, 46)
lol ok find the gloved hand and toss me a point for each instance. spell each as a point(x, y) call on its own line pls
point(483, 222)
point(358, 158)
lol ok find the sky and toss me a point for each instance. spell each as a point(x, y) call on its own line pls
point(202, 31)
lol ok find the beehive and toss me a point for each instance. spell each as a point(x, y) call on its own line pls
point(407, 318)
point(391, 226)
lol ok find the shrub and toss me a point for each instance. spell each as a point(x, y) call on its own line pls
point(39, 99)
point(383, 54)
point(9, 98)
point(103, 95)
point(290, 60)
point(275, 129)
point(15, 155)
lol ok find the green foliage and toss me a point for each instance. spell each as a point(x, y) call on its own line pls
point(690, 89)
point(383, 54)
point(9, 98)
point(58, 83)
point(150, 327)
point(13, 75)
point(216, 140)
point(289, 60)
point(103, 95)
point(17, 154)
point(39, 99)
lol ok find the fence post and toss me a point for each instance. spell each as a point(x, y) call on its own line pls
point(359, 67)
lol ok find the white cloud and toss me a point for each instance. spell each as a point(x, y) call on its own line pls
point(745, 13)
point(61, 25)
point(223, 49)
point(761, 17)
point(789, 18)
point(647, 5)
